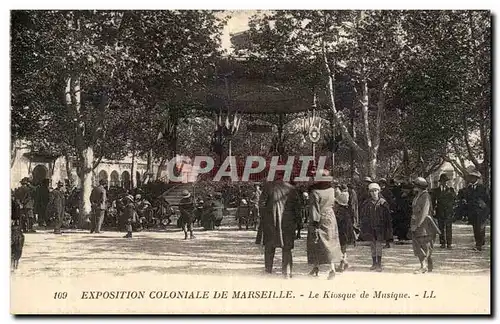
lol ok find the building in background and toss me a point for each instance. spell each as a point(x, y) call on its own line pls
point(42, 165)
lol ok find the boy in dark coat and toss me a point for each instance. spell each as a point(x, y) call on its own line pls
point(375, 224)
point(129, 214)
point(243, 214)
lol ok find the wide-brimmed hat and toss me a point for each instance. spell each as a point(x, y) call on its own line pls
point(421, 183)
point(244, 201)
point(475, 174)
point(383, 180)
point(186, 194)
point(443, 177)
point(367, 179)
point(129, 197)
point(373, 186)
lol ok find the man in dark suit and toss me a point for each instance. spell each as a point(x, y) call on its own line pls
point(279, 217)
point(186, 210)
point(443, 198)
point(98, 202)
point(477, 200)
point(386, 193)
point(42, 201)
point(58, 203)
point(25, 199)
point(363, 190)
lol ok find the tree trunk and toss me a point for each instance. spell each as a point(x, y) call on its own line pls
point(352, 151)
point(13, 153)
point(331, 99)
point(149, 168)
point(160, 168)
point(364, 113)
point(485, 144)
point(133, 178)
point(406, 161)
point(372, 164)
point(86, 183)
point(69, 174)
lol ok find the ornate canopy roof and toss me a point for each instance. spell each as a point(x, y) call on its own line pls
point(253, 98)
point(238, 88)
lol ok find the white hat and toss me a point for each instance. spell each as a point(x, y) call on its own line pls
point(420, 182)
point(373, 186)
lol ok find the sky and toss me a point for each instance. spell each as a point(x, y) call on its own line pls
point(237, 23)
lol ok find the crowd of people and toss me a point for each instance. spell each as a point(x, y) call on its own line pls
point(59, 207)
point(379, 212)
point(335, 215)
point(43, 205)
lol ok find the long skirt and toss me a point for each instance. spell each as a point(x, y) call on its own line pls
point(423, 246)
point(323, 246)
point(344, 223)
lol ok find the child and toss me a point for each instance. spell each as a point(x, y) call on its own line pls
point(243, 214)
point(130, 215)
point(375, 224)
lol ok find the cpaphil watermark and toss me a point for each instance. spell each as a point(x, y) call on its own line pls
point(299, 168)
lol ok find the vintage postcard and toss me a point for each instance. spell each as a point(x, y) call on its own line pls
point(250, 162)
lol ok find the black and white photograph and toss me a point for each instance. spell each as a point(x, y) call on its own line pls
point(250, 161)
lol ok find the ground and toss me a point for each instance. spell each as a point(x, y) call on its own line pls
point(230, 257)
